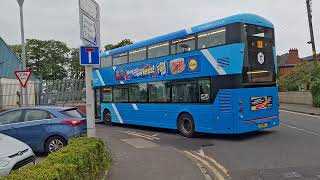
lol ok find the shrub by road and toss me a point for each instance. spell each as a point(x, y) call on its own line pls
point(84, 158)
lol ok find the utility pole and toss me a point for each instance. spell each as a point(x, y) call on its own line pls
point(312, 42)
point(24, 90)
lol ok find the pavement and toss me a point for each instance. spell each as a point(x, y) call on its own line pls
point(300, 108)
point(290, 151)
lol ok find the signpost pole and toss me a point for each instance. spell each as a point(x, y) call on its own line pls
point(24, 64)
point(90, 35)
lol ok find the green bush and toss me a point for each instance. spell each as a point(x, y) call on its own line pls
point(315, 85)
point(84, 158)
point(300, 75)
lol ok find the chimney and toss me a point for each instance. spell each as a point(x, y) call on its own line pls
point(293, 57)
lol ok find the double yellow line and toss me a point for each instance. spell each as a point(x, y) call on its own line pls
point(214, 167)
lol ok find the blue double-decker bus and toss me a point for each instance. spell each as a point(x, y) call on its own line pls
point(218, 77)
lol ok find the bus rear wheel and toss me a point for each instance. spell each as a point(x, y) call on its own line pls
point(107, 119)
point(186, 125)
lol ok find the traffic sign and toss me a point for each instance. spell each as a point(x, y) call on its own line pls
point(89, 55)
point(90, 7)
point(89, 22)
point(23, 77)
point(89, 30)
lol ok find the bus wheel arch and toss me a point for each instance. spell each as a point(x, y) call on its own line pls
point(107, 118)
point(186, 124)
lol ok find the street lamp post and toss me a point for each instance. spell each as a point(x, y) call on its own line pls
point(24, 65)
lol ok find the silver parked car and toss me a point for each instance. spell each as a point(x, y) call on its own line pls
point(14, 155)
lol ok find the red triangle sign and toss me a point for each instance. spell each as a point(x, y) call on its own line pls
point(23, 77)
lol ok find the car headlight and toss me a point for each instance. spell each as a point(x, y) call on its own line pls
point(4, 162)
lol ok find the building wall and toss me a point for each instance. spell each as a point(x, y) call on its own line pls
point(285, 70)
point(299, 97)
point(8, 61)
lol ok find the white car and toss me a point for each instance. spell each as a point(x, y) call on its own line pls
point(14, 155)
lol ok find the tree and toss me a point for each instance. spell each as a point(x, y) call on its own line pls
point(76, 70)
point(47, 59)
point(124, 42)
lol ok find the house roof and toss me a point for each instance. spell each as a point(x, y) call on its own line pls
point(283, 60)
point(310, 58)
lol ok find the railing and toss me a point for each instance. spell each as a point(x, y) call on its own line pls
point(62, 93)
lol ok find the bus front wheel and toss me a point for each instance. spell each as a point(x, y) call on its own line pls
point(107, 117)
point(186, 125)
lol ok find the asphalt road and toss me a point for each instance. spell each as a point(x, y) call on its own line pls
point(290, 151)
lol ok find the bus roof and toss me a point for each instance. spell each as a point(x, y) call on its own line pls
point(243, 18)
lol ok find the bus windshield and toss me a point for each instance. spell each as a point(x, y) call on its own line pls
point(259, 64)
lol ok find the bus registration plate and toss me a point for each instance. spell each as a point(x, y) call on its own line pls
point(263, 125)
point(259, 103)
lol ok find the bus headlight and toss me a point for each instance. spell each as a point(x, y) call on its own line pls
point(4, 162)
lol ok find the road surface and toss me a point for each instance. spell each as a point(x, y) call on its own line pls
point(290, 151)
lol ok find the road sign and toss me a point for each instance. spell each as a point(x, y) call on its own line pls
point(89, 30)
point(90, 7)
point(89, 55)
point(23, 77)
point(89, 22)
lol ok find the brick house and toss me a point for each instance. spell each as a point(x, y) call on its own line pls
point(286, 62)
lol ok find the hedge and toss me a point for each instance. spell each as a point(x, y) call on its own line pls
point(84, 158)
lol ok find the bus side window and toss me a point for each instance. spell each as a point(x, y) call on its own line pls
point(158, 92)
point(212, 38)
point(120, 94)
point(204, 90)
point(183, 45)
point(106, 61)
point(106, 94)
point(138, 93)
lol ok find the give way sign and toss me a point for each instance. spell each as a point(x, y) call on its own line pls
point(23, 77)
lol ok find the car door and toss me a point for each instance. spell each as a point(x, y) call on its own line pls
point(7, 122)
point(32, 130)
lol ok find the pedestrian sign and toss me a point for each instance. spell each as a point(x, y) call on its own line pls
point(89, 55)
point(23, 77)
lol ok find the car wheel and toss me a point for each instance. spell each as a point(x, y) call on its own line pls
point(186, 125)
point(55, 143)
point(107, 119)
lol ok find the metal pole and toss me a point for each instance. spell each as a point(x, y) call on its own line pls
point(24, 65)
point(314, 53)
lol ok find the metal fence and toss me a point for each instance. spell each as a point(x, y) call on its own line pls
point(62, 93)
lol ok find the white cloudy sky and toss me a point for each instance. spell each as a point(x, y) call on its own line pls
point(142, 19)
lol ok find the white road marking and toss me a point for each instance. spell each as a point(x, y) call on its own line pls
point(302, 114)
point(195, 157)
point(204, 172)
point(300, 129)
point(141, 135)
point(216, 163)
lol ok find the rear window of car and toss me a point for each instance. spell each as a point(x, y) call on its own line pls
point(75, 113)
